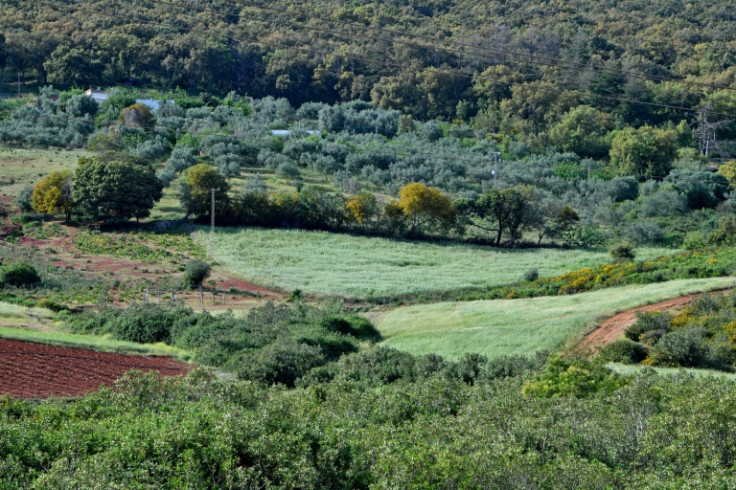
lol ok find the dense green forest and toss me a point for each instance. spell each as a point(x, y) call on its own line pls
point(510, 67)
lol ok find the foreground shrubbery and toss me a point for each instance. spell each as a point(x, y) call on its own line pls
point(272, 344)
point(429, 431)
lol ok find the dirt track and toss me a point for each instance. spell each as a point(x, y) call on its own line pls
point(613, 328)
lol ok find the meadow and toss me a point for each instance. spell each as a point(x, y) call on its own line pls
point(678, 372)
point(520, 326)
point(20, 167)
point(359, 267)
point(40, 325)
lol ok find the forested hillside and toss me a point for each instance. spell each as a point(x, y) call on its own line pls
point(514, 67)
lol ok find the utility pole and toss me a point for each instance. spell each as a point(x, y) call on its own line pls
point(706, 132)
point(496, 159)
point(212, 211)
point(18, 84)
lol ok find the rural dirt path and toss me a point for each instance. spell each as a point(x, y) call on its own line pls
point(614, 327)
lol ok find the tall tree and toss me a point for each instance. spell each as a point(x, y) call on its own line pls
point(424, 205)
point(196, 184)
point(53, 194)
point(117, 187)
point(503, 212)
point(645, 152)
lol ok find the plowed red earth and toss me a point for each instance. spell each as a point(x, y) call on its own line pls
point(29, 370)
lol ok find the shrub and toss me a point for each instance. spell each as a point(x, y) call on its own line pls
point(572, 377)
point(647, 323)
point(626, 351)
point(145, 326)
point(693, 241)
point(282, 362)
point(23, 199)
point(531, 275)
point(353, 325)
point(511, 366)
point(622, 251)
point(378, 366)
point(19, 274)
point(468, 368)
point(683, 347)
point(195, 272)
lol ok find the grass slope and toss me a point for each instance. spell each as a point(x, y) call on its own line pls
point(35, 325)
point(638, 369)
point(520, 326)
point(353, 266)
point(19, 167)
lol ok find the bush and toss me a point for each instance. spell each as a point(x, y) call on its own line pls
point(653, 325)
point(693, 241)
point(531, 275)
point(19, 274)
point(281, 362)
point(511, 366)
point(195, 272)
point(626, 351)
point(684, 347)
point(353, 325)
point(622, 251)
point(572, 377)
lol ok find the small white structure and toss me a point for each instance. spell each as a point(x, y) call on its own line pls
point(288, 132)
point(101, 96)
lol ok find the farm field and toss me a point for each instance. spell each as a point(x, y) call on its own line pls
point(520, 326)
point(20, 167)
point(353, 266)
point(30, 370)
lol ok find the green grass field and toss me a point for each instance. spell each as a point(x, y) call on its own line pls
point(19, 167)
point(520, 326)
point(37, 325)
point(352, 266)
point(637, 369)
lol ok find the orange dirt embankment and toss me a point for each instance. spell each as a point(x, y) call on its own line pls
point(613, 328)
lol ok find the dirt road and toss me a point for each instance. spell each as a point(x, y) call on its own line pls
point(613, 328)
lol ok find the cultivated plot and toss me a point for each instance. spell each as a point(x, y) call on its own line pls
point(353, 266)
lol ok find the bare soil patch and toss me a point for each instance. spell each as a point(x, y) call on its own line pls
point(29, 370)
point(614, 327)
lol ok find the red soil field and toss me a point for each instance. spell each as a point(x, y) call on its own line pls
point(29, 370)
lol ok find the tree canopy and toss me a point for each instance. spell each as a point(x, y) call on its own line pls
point(196, 184)
point(424, 205)
point(114, 186)
point(53, 194)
